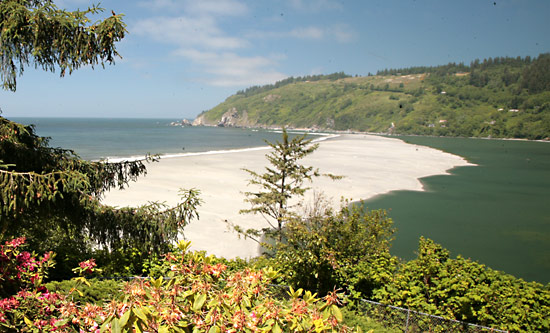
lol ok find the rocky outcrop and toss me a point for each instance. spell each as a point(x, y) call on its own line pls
point(270, 98)
point(231, 118)
point(201, 121)
point(184, 122)
point(234, 118)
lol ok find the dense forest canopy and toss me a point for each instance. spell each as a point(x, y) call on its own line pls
point(495, 97)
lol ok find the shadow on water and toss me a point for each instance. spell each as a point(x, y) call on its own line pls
point(497, 213)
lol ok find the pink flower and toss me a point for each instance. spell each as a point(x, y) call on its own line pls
point(16, 241)
point(34, 278)
point(8, 303)
point(42, 289)
point(23, 257)
point(46, 257)
point(88, 265)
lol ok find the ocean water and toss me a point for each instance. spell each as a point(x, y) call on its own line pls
point(114, 139)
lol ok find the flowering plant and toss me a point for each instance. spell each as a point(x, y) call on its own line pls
point(198, 295)
point(21, 269)
point(25, 302)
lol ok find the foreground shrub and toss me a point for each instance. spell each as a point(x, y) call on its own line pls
point(347, 248)
point(198, 295)
point(466, 290)
point(25, 302)
point(21, 269)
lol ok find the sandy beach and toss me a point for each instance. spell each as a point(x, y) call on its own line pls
point(371, 165)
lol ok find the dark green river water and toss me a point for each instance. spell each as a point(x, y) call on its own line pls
point(497, 213)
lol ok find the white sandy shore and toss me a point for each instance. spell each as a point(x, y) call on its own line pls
point(371, 165)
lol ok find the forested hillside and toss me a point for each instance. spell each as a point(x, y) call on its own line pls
point(496, 97)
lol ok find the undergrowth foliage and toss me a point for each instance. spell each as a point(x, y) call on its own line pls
point(347, 248)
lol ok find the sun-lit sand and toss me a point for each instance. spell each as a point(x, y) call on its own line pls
point(371, 165)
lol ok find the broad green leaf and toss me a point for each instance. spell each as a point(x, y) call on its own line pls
point(140, 313)
point(276, 328)
point(124, 319)
point(337, 313)
point(28, 322)
point(115, 326)
point(199, 302)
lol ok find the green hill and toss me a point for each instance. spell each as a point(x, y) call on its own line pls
point(500, 97)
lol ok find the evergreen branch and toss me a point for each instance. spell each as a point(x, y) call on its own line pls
point(107, 175)
point(22, 190)
point(48, 37)
point(150, 227)
point(252, 234)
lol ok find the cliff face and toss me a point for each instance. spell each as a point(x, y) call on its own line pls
point(234, 118)
point(201, 121)
point(231, 118)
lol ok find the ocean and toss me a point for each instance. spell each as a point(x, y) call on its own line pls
point(116, 139)
point(496, 213)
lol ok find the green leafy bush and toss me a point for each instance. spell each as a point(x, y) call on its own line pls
point(466, 290)
point(98, 292)
point(357, 319)
point(327, 249)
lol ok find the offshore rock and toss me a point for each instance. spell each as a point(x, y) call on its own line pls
point(182, 123)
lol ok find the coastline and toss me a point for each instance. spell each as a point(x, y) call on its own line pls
point(372, 165)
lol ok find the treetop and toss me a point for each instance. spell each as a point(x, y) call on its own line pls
point(38, 33)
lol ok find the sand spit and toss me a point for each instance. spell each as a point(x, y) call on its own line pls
point(371, 165)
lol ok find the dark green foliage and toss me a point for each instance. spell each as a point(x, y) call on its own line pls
point(465, 290)
point(130, 261)
point(536, 77)
point(38, 33)
point(98, 292)
point(347, 249)
point(451, 68)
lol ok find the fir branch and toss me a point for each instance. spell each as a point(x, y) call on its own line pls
point(149, 227)
point(21, 190)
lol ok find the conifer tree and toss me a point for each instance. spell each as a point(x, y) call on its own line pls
point(283, 180)
point(51, 195)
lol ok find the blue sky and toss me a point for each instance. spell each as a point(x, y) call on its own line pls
point(185, 56)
